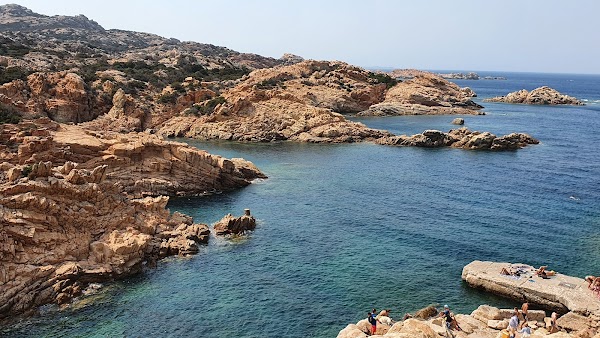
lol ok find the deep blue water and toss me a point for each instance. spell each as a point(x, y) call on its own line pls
point(345, 228)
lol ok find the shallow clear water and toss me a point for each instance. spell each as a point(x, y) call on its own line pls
point(345, 228)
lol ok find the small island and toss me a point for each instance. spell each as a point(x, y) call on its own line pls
point(540, 96)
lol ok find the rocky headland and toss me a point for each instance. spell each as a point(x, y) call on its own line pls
point(425, 94)
point(461, 138)
point(541, 96)
point(79, 207)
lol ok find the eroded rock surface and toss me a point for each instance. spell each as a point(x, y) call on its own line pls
point(461, 138)
point(541, 96)
point(484, 322)
point(425, 94)
point(302, 102)
point(78, 207)
point(230, 225)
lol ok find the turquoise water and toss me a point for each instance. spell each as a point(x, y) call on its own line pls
point(345, 228)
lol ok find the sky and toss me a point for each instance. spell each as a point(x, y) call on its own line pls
point(472, 35)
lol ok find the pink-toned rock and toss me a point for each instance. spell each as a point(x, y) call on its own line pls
point(540, 96)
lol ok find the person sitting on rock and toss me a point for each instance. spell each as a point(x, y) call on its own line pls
point(591, 280)
point(526, 330)
point(553, 325)
point(450, 321)
point(513, 324)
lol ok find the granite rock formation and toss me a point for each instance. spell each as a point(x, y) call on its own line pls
point(425, 94)
point(461, 138)
point(78, 207)
point(303, 102)
point(230, 225)
point(484, 322)
point(143, 164)
point(561, 293)
point(541, 96)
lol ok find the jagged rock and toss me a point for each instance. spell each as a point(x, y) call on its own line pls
point(426, 313)
point(301, 102)
point(230, 225)
point(572, 321)
point(461, 138)
point(41, 169)
point(86, 219)
point(542, 95)
point(13, 174)
point(458, 121)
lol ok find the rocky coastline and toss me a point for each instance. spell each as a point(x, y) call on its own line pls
point(539, 96)
point(78, 207)
point(87, 172)
point(578, 307)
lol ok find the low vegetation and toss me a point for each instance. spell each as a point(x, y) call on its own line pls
point(383, 78)
point(9, 114)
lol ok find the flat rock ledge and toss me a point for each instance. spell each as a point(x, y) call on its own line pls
point(541, 96)
point(461, 138)
point(560, 293)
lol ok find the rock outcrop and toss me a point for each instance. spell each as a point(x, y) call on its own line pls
point(484, 322)
point(78, 207)
point(230, 225)
point(541, 96)
point(61, 96)
point(302, 102)
point(561, 292)
point(143, 164)
point(425, 94)
point(461, 138)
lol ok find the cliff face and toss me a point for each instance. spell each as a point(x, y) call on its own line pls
point(301, 102)
point(78, 206)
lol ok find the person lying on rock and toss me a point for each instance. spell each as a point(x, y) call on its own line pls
point(509, 272)
point(542, 272)
point(384, 317)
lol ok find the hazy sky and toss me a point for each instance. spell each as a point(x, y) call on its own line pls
point(514, 35)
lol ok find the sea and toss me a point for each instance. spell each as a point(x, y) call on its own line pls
point(344, 228)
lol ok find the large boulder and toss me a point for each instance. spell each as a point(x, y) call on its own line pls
point(230, 225)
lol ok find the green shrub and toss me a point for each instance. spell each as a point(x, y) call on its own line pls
point(9, 114)
point(209, 106)
point(167, 98)
point(26, 170)
point(8, 74)
point(383, 78)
